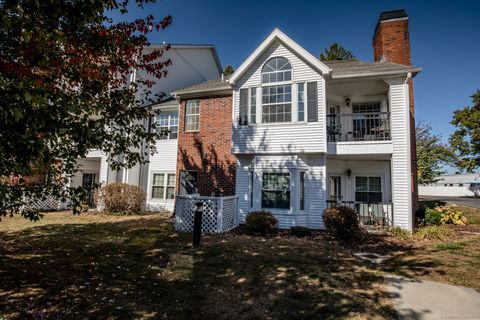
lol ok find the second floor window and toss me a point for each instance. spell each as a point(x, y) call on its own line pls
point(192, 115)
point(168, 124)
point(253, 105)
point(276, 70)
point(277, 99)
point(277, 104)
point(301, 101)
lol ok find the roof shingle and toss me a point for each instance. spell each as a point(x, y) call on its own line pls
point(355, 67)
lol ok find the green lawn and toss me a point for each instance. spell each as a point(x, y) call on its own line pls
point(109, 267)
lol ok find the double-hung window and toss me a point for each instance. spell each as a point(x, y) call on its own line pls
point(276, 190)
point(192, 115)
point(277, 104)
point(163, 186)
point(253, 105)
point(277, 99)
point(368, 189)
point(167, 124)
point(301, 101)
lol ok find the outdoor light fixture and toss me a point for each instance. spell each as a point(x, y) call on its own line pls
point(347, 101)
point(349, 173)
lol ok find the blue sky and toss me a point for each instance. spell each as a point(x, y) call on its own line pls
point(444, 38)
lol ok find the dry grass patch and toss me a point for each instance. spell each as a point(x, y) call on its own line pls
point(109, 267)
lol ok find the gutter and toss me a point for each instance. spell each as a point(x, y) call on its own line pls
point(413, 71)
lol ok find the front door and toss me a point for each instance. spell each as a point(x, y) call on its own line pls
point(335, 188)
point(88, 184)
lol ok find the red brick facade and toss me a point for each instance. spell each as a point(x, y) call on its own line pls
point(391, 42)
point(209, 151)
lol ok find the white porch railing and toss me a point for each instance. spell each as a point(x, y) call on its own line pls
point(370, 214)
point(369, 126)
point(219, 213)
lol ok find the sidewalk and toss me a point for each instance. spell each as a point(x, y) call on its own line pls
point(420, 299)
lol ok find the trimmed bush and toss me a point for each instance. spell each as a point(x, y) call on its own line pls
point(261, 222)
point(432, 217)
point(300, 231)
point(434, 233)
point(121, 198)
point(342, 222)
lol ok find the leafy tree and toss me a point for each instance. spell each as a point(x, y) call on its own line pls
point(336, 52)
point(228, 70)
point(432, 154)
point(466, 139)
point(65, 68)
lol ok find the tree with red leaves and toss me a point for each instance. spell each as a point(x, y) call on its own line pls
point(66, 87)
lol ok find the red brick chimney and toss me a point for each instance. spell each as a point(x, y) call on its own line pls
point(391, 42)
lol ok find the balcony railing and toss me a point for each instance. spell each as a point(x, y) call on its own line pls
point(370, 126)
point(370, 214)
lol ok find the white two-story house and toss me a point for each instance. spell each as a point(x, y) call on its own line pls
point(308, 134)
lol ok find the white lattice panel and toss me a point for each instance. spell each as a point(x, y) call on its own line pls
point(47, 204)
point(229, 214)
point(218, 213)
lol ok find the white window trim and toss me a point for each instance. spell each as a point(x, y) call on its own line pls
point(305, 102)
point(382, 178)
point(271, 58)
point(271, 84)
point(291, 189)
point(292, 108)
point(250, 123)
point(169, 123)
point(165, 186)
point(191, 115)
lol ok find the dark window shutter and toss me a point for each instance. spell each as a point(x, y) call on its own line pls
point(312, 102)
point(243, 110)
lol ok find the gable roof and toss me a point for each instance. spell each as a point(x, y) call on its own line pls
point(354, 68)
point(340, 69)
point(218, 85)
point(279, 35)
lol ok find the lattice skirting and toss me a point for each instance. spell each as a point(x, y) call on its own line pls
point(219, 213)
point(50, 203)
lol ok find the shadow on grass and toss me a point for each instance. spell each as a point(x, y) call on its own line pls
point(143, 269)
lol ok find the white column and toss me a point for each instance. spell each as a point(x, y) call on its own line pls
point(401, 164)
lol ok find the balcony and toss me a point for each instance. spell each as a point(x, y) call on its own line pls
point(369, 126)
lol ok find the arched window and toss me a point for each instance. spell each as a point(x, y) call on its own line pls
point(276, 70)
point(277, 97)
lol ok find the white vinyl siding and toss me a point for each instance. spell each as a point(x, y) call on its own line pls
point(401, 166)
point(316, 190)
point(292, 137)
point(293, 166)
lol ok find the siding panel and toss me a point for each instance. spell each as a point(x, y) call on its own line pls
point(401, 165)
